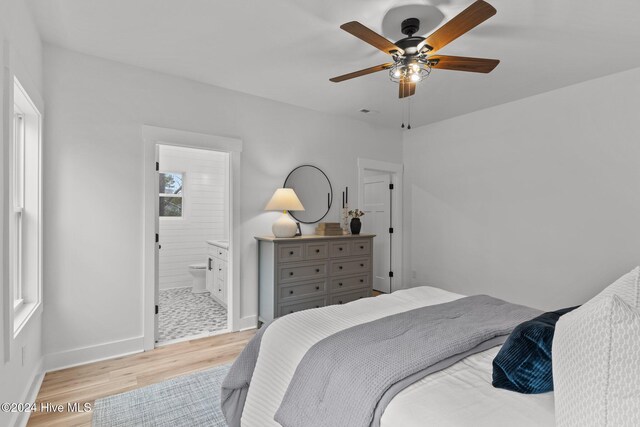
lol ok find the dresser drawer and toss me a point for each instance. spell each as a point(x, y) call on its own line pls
point(350, 266)
point(291, 252)
point(317, 250)
point(291, 291)
point(350, 282)
point(285, 309)
point(349, 296)
point(361, 247)
point(339, 249)
point(297, 272)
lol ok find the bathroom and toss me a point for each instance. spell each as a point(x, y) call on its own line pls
point(193, 225)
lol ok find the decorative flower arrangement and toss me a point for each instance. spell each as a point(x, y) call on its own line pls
point(356, 213)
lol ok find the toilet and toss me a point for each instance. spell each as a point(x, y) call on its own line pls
point(198, 272)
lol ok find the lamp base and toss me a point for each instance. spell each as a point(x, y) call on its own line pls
point(284, 226)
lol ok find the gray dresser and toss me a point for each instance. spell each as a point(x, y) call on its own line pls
point(305, 272)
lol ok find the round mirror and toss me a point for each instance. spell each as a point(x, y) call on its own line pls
point(314, 191)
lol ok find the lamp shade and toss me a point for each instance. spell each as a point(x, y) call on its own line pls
point(284, 199)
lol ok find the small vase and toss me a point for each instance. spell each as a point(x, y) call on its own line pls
point(356, 225)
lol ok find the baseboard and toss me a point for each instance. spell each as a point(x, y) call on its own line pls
point(31, 395)
point(249, 322)
point(96, 353)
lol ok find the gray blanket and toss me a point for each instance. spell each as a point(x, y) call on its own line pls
point(236, 384)
point(348, 378)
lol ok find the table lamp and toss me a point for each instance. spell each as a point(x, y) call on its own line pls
point(284, 199)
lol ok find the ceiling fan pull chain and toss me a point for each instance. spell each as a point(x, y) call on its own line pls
point(409, 121)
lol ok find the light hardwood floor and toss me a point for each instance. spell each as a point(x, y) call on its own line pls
point(89, 382)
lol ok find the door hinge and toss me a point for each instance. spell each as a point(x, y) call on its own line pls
point(391, 274)
point(390, 186)
point(157, 237)
point(390, 230)
point(157, 166)
point(156, 309)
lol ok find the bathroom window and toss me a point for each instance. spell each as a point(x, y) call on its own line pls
point(171, 195)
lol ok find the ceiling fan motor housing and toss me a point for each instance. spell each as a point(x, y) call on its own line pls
point(410, 26)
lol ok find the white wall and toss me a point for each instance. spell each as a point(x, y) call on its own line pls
point(205, 203)
point(93, 258)
point(536, 201)
point(18, 378)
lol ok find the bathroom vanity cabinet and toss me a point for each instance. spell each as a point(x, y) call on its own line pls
point(217, 279)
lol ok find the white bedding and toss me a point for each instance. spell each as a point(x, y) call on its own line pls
point(460, 395)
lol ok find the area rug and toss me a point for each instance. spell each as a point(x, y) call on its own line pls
point(188, 401)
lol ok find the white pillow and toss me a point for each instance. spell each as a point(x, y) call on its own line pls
point(596, 365)
point(627, 287)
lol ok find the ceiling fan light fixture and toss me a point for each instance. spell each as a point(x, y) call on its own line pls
point(414, 71)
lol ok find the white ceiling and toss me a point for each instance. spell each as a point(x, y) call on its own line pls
point(287, 50)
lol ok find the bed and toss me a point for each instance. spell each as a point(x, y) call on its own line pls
point(459, 395)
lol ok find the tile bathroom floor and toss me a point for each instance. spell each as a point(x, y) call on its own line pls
point(184, 314)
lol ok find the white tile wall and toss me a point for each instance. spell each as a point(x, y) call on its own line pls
point(184, 239)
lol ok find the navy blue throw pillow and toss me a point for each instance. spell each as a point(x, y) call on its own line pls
point(523, 364)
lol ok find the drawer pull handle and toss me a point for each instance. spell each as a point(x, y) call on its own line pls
point(317, 288)
point(290, 252)
point(361, 247)
point(340, 284)
point(317, 251)
point(317, 270)
point(340, 267)
point(361, 280)
point(339, 249)
point(290, 292)
point(317, 306)
point(339, 302)
point(361, 265)
point(291, 312)
point(219, 269)
point(291, 273)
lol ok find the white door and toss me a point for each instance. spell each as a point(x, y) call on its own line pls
point(377, 220)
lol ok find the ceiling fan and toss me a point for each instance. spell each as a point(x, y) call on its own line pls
point(413, 56)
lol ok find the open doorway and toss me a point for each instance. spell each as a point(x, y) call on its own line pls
point(380, 197)
point(191, 231)
point(193, 213)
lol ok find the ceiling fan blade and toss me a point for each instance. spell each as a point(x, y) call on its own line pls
point(406, 89)
point(461, 63)
point(362, 72)
point(468, 19)
point(369, 36)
